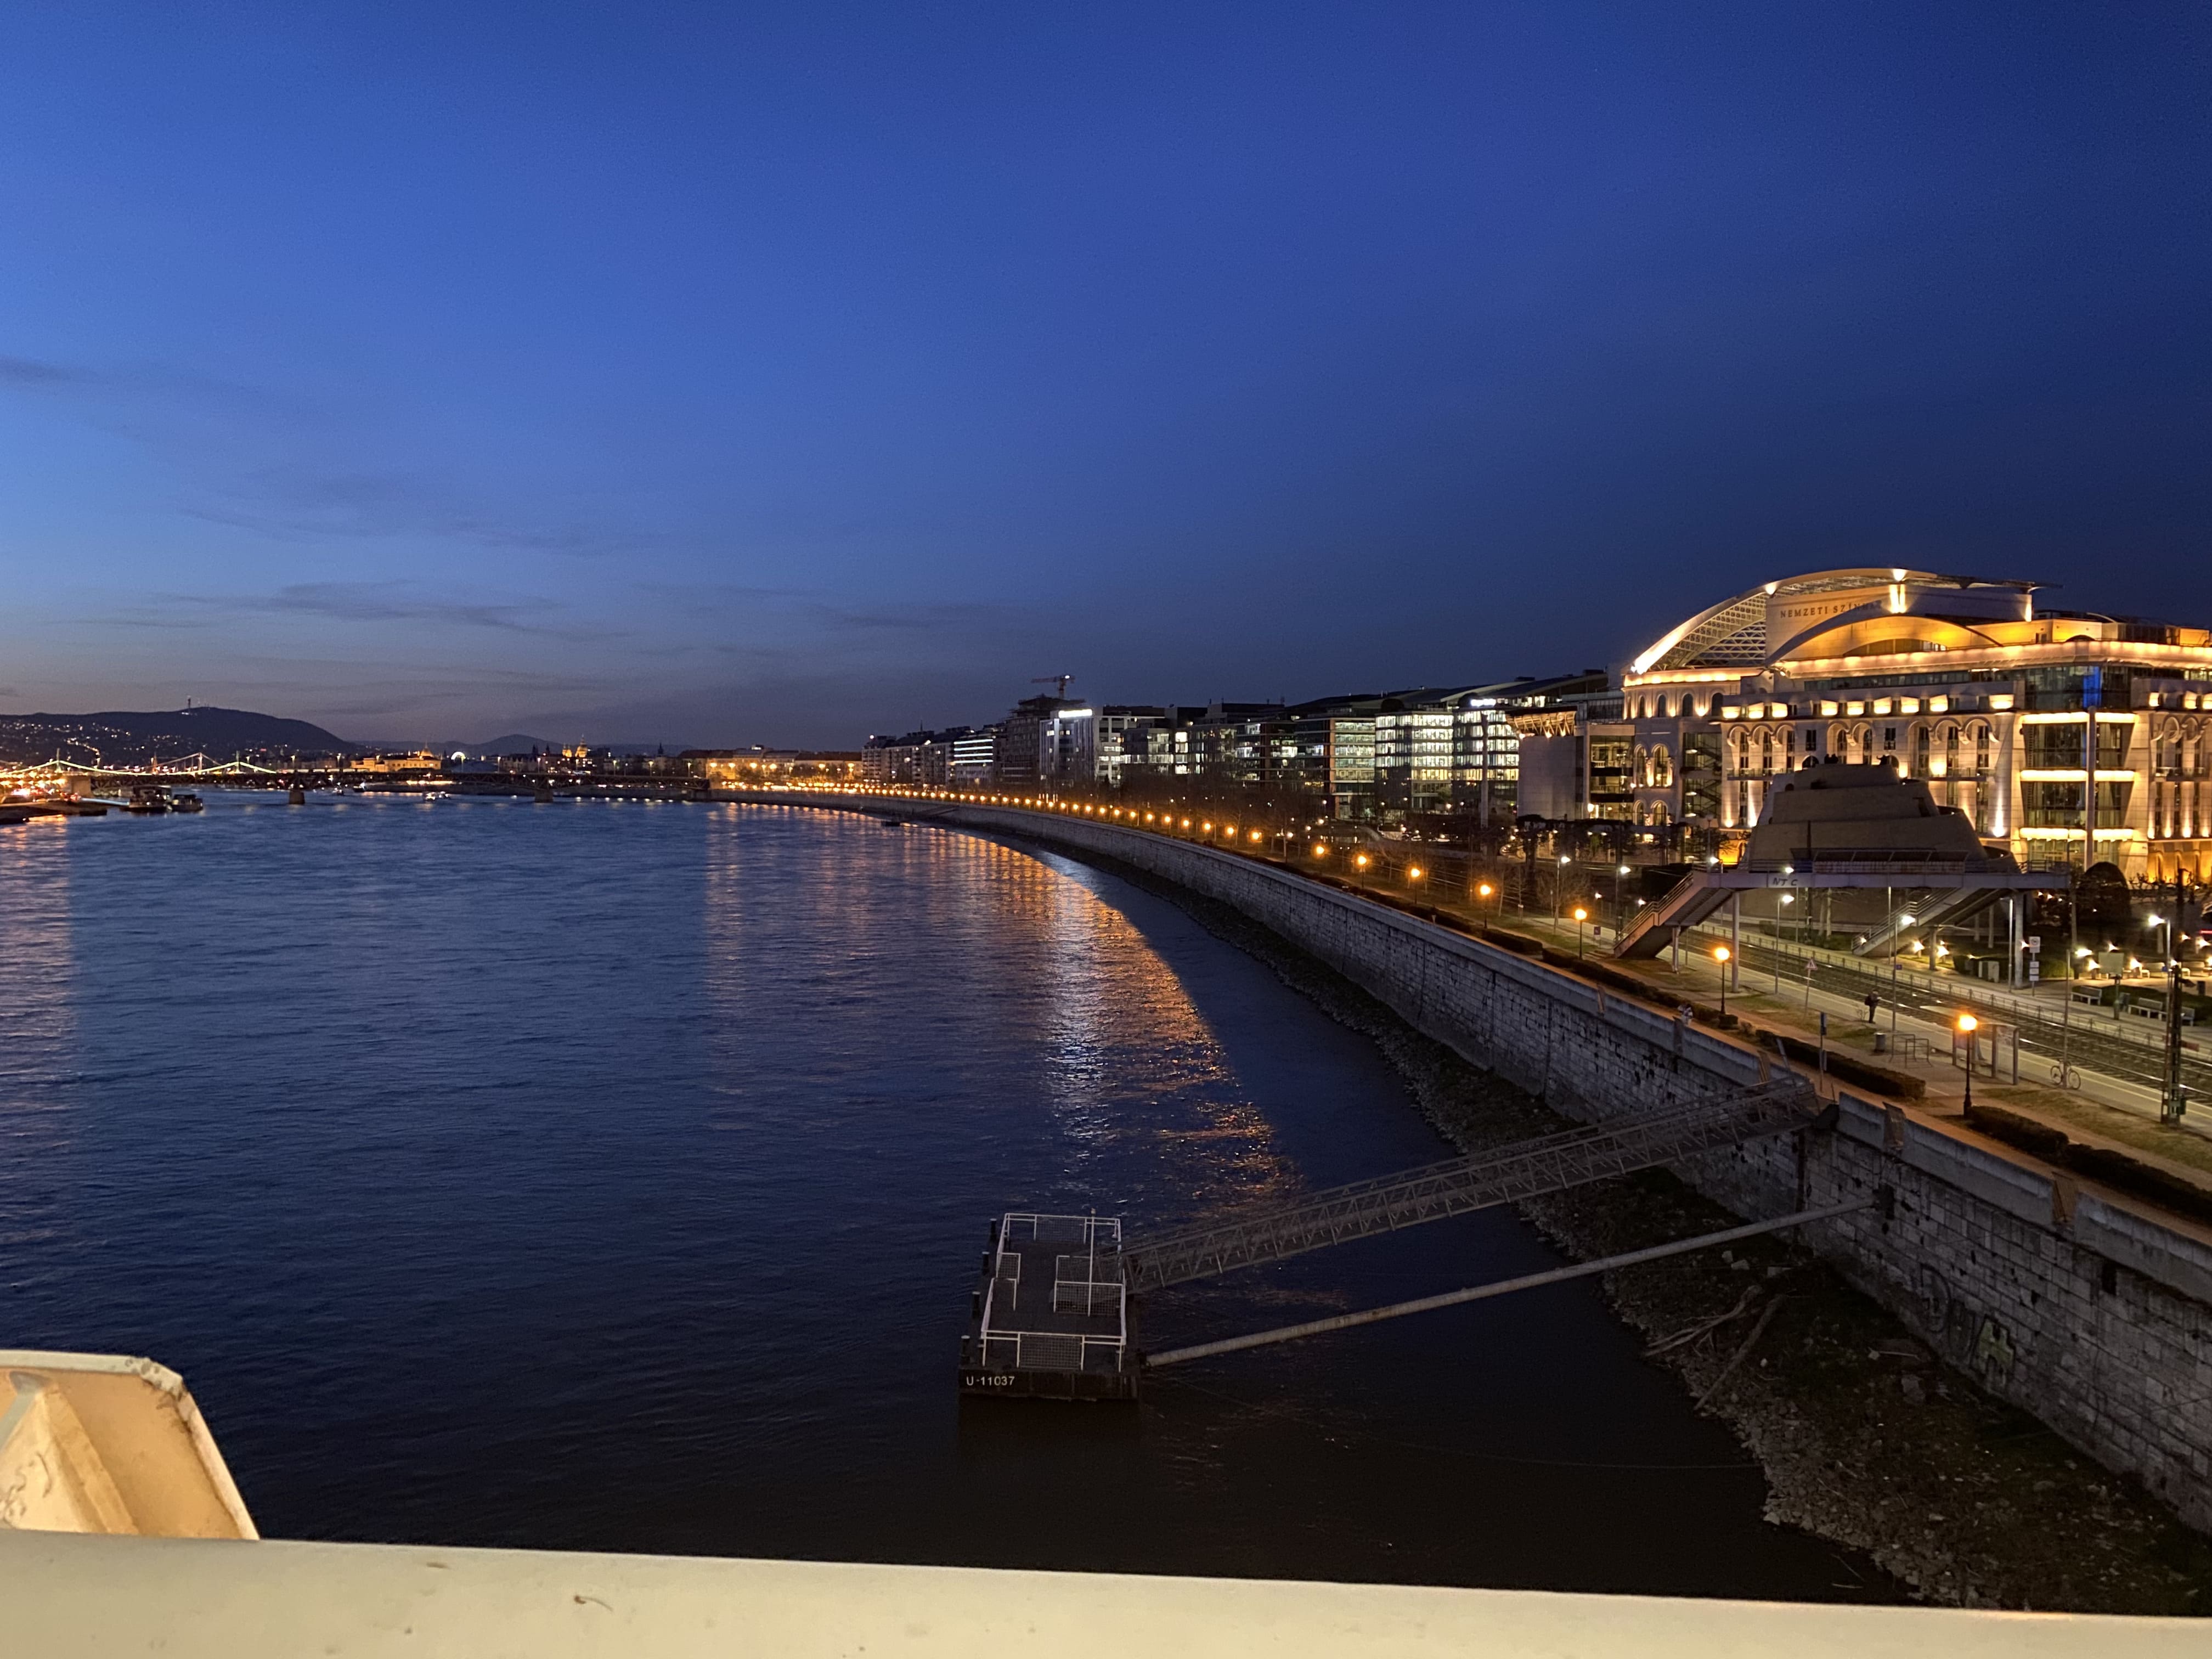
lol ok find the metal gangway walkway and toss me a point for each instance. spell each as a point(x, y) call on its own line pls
point(1506, 1175)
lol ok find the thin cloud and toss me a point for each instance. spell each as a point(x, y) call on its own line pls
point(372, 506)
point(207, 426)
point(384, 602)
point(930, 618)
point(30, 371)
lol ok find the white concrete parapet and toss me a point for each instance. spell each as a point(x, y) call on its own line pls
point(69, 1597)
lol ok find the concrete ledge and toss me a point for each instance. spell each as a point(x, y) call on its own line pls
point(2139, 1244)
point(1996, 1180)
point(68, 1596)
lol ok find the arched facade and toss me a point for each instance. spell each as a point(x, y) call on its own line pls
point(1957, 680)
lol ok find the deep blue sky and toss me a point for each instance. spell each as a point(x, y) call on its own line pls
point(731, 373)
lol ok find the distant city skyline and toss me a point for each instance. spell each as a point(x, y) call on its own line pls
point(684, 374)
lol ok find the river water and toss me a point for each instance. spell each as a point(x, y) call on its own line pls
point(613, 1176)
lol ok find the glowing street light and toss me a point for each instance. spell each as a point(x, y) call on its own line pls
point(1721, 955)
point(1581, 916)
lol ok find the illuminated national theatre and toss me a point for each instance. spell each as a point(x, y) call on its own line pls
point(1963, 682)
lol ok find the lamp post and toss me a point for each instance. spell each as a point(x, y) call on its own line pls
point(1581, 916)
point(1780, 923)
point(1967, 1024)
point(1721, 955)
point(2176, 1102)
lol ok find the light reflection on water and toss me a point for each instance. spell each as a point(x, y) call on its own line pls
point(615, 1176)
point(37, 1035)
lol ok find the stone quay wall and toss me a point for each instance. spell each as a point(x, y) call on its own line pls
point(2089, 1311)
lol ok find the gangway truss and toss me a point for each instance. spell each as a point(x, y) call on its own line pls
point(1506, 1174)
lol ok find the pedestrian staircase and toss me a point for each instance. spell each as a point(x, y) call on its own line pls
point(1943, 907)
point(1688, 903)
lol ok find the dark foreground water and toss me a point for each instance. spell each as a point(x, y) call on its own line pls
point(614, 1177)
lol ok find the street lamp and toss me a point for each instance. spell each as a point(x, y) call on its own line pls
point(1581, 916)
point(1967, 1024)
point(1720, 956)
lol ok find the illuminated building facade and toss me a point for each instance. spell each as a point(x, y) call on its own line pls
point(1960, 682)
point(1046, 741)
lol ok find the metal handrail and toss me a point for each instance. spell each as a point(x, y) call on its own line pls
point(1647, 919)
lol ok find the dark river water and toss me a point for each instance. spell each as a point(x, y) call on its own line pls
point(613, 1176)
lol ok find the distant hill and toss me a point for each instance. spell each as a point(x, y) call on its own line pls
point(124, 739)
point(514, 742)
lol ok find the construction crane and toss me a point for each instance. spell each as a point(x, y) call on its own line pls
point(1060, 680)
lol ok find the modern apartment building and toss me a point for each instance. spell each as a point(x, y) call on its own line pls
point(958, 754)
point(975, 754)
point(1134, 737)
point(1047, 742)
point(1458, 752)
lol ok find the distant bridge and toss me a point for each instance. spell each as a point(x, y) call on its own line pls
point(189, 769)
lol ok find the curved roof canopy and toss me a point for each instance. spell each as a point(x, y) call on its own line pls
point(1758, 627)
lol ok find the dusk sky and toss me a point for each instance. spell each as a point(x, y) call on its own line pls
point(728, 374)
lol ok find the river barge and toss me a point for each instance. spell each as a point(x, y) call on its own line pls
point(1050, 1317)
